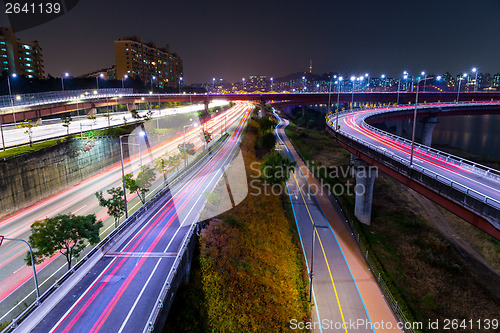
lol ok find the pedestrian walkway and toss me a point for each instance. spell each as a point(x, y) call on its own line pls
point(344, 289)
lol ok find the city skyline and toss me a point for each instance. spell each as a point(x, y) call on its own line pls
point(338, 37)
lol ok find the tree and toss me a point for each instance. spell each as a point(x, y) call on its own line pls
point(187, 148)
point(29, 129)
point(66, 121)
point(140, 184)
point(275, 168)
point(266, 124)
point(64, 233)
point(115, 204)
point(206, 136)
point(167, 164)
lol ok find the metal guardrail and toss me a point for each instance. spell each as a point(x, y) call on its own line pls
point(470, 165)
point(8, 101)
point(453, 184)
point(107, 241)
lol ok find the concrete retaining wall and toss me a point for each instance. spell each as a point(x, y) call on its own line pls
point(29, 178)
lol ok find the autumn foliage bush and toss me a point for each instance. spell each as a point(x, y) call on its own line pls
point(252, 270)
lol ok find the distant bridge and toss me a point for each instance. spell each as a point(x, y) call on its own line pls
point(32, 106)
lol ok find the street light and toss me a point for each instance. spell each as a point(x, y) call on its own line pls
point(474, 70)
point(415, 119)
point(459, 82)
point(425, 76)
point(123, 79)
point(311, 274)
point(338, 103)
point(399, 85)
point(243, 80)
point(32, 264)
point(184, 139)
point(180, 82)
point(141, 134)
point(272, 81)
point(97, 79)
point(152, 79)
point(353, 78)
point(62, 80)
point(14, 75)
point(383, 81)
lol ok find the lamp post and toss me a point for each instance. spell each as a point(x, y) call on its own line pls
point(311, 273)
point(425, 81)
point(272, 81)
point(338, 103)
point(32, 264)
point(459, 82)
point(474, 70)
point(330, 92)
point(184, 139)
point(62, 80)
point(367, 77)
point(399, 86)
point(243, 80)
point(415, 119)
point(382, 77)
point(213, 84)
point(353, 78)
point(97, 79)
point(152, 79)
point(123, 80)
point(14, 75)
point(141, 133)
point(180, 83)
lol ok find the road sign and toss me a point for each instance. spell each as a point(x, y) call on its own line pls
point(1, 240)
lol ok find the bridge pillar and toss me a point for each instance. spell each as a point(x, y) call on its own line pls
point(206, 106)
point(131, 107)
point(428, 129)
point(262, 111)
point(365, 178)
point(91, 112)
point(399, 127)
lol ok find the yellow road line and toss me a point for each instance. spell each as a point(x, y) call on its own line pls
point(324, 254)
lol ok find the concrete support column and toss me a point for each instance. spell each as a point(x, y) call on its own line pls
point(206, 106)
point(131, 107)
point(262, 111)
point(428, 129)
point(365, 178)
point(399, 127)
point(91, 112)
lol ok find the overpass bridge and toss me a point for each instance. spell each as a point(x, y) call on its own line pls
point(468, 189)
point(34, 106)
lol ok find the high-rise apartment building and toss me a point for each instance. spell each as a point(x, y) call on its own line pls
point(22, 58)
point(147, 62)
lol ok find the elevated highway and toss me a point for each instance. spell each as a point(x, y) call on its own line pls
point(33, 109)
point(469, 190)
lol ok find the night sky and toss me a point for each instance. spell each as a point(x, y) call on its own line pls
point(234, 39)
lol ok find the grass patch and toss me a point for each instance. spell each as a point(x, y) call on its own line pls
point(9, 152)
point(250, 275)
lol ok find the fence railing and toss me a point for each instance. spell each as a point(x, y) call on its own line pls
point(451, 183)
point(16, 100)
point(470, 165)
